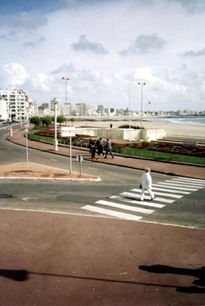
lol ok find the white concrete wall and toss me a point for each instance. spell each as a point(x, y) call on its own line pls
point(124, 134)
point(153, 134)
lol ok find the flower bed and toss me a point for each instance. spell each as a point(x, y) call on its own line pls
point(179, 149)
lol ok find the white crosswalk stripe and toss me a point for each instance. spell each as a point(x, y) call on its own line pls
point(125, 207)
point(174, 188)
point(160, 193)
point(111, 213)
point(193, 180)
point(168, 190)
point(134, 195)
point(144, 203)
point(186, 183)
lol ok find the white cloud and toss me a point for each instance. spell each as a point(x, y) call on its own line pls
point(39, 48)
point(13, 74)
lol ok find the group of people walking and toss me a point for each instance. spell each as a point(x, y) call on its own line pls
point(101, 148)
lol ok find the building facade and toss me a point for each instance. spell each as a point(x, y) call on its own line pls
point(18, 104)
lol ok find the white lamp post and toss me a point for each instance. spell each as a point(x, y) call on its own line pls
point(10, 119)
point(26, 131)
point(142, 84)
point(66, 95)
point(55, 126)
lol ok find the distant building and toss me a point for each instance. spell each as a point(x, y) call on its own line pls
point(66, 110)
point(52, 105)
point(101, 110)
point(83, 109)
point(44, 110)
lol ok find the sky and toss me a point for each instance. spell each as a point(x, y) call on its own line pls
point(106, 47)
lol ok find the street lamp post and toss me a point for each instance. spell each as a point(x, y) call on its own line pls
point(55, 126)
point(142, 84)
point(26, 131)
point(10, 121)
point(66, 95)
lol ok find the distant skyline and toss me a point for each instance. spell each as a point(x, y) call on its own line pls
point(106, 47)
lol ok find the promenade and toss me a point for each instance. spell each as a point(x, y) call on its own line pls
point(135, 163)
point(70, 260)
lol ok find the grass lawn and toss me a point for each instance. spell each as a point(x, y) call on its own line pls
point(131, 150)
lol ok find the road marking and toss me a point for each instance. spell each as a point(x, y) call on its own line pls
point(175, 188)
point(168, 190)
point(177, 180)
point(144, 203)
point(190, 179)
point(134, 195)
point(160, 193)
point(112, 213)
point(189, 182)
point(125, 207)
point(176, 185)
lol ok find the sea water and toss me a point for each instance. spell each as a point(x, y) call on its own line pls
point(200, 120)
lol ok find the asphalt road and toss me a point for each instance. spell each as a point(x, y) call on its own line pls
point(98, 198)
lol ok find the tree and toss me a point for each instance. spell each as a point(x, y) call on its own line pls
point(36, 121)
point(61, 119)
point(72, 120)
point(46, 121)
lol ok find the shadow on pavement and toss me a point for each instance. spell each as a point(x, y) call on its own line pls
point(199, 273)
point(23, 275)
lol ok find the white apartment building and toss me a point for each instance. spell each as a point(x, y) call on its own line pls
point(83, 109)
point(101, 110)
point(18, 104)
point(66, 110)
point(3, 110)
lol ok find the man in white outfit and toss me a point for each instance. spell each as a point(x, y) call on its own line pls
point(146, 183)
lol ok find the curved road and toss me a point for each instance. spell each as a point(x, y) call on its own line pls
point(178, 203)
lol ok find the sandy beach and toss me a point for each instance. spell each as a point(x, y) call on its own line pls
point(184, 131)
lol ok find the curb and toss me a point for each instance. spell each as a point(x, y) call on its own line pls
point(98, 179)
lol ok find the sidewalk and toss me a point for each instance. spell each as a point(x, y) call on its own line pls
point(67, 260)
point(135, 163)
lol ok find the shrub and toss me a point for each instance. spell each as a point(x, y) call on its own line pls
point(127, 126)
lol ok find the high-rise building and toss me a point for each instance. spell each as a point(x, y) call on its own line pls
point(83, 109)
point(18, 104)
point(3, 110)
point(101, 110)
point(66, 109)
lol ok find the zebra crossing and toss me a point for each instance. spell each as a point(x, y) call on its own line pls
point(128, 205)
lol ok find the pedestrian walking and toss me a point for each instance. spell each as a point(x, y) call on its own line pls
point(146, 184)
point(108, 148)
point(93, 150)
point(91, 143)
point(100, 146)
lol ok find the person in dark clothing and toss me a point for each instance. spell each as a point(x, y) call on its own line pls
point(93, 150)
point(100, 146)
point(91, 142)
point(108, 148)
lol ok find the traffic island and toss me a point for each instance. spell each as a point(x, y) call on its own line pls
point(33, 171)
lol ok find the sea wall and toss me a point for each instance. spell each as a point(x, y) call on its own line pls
point(124, 134)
